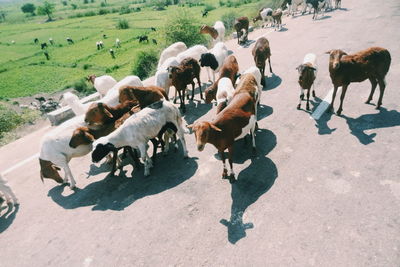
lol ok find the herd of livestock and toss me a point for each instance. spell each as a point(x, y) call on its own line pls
point(130, 114)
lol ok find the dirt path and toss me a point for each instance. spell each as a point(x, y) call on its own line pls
point(319, 193)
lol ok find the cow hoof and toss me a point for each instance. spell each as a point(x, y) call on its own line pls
point(308, 108)
point(232, 179)
point(339, 112)
point(298, 106)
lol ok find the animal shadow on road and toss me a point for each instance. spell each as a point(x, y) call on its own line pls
point(383, 119)
point(251, 184)
point(248, 43)
point(7, 218)
point(322, 122)
point(196, 109)
point(272, 82)
point(118, 192)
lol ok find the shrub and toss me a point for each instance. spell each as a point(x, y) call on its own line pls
point(10, 119)
point(86, 66)
point(145, 64)
point(182, 27)
point(82, 87)
point(103, 4)
point(125, 10)
point(74, 6)
point(209, 7)
point(86, 1)
point(122, 24)
point(229, 19)
point(103, 11)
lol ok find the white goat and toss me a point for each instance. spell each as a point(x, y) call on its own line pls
point(219, 26)
point(102, 84)
point(117, 43)
point(194, 52)
point(225, 90)
point(7, 193)
point(214, 59)
point(55, 151)
point(112, 96)
point(171, 51)
point(72, 100)
point(162, 77)
point(266, 15)
point(138, 129)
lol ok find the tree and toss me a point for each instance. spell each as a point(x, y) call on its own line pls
point(46, 9)
point(28, 8)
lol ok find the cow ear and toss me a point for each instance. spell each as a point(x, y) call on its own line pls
point(190, 126)
point(108, 114)
point(298, 67)
point(215, 128)
point(313, 68)
point(328, 52)
point(89, 137)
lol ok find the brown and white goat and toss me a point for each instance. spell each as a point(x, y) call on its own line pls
point(261, 52)
point(372, 63)
point(232, 123)
point(184, 74)
point(241, 24)
point(144, 95)
point(307, 74)
point(230, 70)
point(277, 18)
point(217, 32)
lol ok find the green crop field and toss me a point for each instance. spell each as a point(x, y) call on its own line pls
point(24, 70)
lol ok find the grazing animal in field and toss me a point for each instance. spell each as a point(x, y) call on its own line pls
point(46, 54)
point(51, 41)
point(102, 84)
point(112, 53)
point(184, 74)
point(153, 29)
point(36, 40)
point(234, 122)
point(104, 36)
point(117, 43)
point(307, 74)
point(171, 51)
point(217, 32)
point(138, 129)
point(241, 25)
point(143, 38)
point(230, 70)
point(70, 41)
point(214, 59)
point(204, 13)
point(372, 63)
point(154, 41)
point(261, 52)
point(43, 45)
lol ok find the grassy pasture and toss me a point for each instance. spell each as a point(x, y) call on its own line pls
point(24, 70)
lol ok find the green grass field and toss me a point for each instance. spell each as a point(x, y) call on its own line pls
point(24, 70)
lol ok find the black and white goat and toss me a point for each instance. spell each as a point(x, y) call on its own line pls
point(214, 59)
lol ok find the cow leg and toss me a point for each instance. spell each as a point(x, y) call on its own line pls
point(382, 86)
point(68, 174)
point(270, 67)
point(182, 105)
point(146, 159)
point(155, 145)
point(134, 156)
point(344, 89)
point(198, 81)
point(313, 91)
point(225, 171)
point(374, 83)
point(114, 161)
point(192, 91)
point(181, 136)
point(230, 159)
point(301, 97)
point(308, 99)
point(335, 88)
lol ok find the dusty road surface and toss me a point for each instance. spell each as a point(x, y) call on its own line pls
point(319, 192)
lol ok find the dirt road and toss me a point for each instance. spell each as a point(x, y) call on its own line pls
point(319, 193)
